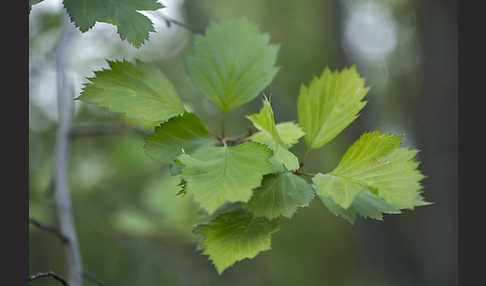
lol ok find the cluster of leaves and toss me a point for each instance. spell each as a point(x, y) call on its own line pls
point(243, 186)
point(131, 24)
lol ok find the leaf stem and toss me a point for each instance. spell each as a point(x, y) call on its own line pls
point(306, 152)
point(223, 125)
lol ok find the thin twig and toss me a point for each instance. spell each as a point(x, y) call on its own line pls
point(62, 189)
point(52, 229)
point(48, 274)
point(168, 20)
point(92, 278)
point(93, 129)
point(303, 174)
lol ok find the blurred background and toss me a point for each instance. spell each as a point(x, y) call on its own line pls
point(133, 230)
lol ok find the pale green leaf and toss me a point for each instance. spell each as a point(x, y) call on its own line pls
point(342, 190)
point(289, 132)
point(280, 194)
point(374, 162)
point(141, 92)
point(216, 175)
point(234, 234)
point(132, 25)
point(232, 63)
point(265, 122)
point(330, 104)
point(365, 204)
point(185, 132)
point(162, 212)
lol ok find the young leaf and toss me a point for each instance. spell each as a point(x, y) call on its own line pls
point(330, 104)
point(374, 162)
point(234, 234)
point(140, 91)
point(216, 175)
point(132, 25)
point(265, 122)
point(365, 204)
point(232, 63)
point(289, 132)
point(185, 132)
point(280, 194)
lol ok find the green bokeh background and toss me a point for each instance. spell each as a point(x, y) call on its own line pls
point(134, 231)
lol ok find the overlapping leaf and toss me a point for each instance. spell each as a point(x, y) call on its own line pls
point(232, 63)
point(185, 132)
point(216, 175)
point(289, 132)
point(330, 104)
point(140, 91)
point(265, 122)
point(374, 162)
point(280, 194)
point(365, 204)
point(132, 25)
point(234, 234)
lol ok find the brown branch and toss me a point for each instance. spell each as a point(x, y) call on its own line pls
point(48, 274)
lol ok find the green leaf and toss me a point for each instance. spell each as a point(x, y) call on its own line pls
point(234, 234)
point(265, 122)
point(374, 162)
point(280, 194)
point(289, 132)
point(185, 132)
point(232, 63)
point(365, 204)
point(216, 175)
point(342, 190)
point(330, 104)
point(131, 25)
point(140, 91)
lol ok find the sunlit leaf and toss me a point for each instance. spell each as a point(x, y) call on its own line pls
point(377, 163)
point(330, 104)
point(265, 122)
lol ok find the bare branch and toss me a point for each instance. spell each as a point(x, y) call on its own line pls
point(48, 274)
point(62, 189)
point(52, 229)
point(169, 21)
